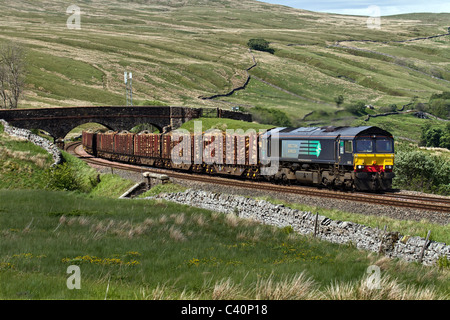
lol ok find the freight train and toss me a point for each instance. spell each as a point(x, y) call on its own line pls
point(354, 158)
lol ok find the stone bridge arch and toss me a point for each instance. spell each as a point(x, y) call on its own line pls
point(58, 122)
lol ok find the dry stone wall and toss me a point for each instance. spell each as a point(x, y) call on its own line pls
point(35, 139)
point(391, 244)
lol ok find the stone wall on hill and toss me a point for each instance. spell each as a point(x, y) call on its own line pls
point(35, 139)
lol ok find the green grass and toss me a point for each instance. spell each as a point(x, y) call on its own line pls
point(52, 87)
point(111, 186)
point(78, 71)
point(163, 188)
point(22, 164)
point(144, 246)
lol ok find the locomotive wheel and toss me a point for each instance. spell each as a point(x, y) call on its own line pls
point(284, 180)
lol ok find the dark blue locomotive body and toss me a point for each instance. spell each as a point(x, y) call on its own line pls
point(353, 157)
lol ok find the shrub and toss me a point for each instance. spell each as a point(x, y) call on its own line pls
point(443, 263)
point(271, 116)
point(61, 177)
point(288, 230)
point(393, 107)
point(443, 95)
point(420, 106)
point(357, 108)
point(260, 45)
point(416, 170)
point(144, 126)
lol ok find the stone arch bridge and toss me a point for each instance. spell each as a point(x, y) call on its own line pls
point(58, 122)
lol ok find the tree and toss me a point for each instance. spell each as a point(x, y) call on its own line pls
point(445, 138)
point(339, 100)
point(439, 105)
point(445, 141)
point(435, 137)
point(440, 108)
point(12, 74)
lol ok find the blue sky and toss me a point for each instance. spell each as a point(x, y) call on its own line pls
point(387, 7)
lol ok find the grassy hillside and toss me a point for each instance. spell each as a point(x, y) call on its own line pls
point(402, 126)
point(159, 250)
point(180, 50)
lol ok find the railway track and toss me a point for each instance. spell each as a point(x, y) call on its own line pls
point(428, 203)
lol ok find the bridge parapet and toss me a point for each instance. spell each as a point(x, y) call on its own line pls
point(58, 122)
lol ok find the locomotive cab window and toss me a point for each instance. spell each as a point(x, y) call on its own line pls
point(364, 145)
point(348, 146)
point(384, 145)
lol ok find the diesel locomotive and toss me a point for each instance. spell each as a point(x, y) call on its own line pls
point(355, 158)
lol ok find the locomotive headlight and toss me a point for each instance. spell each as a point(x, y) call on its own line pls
point(389, 167)
point(359, 167)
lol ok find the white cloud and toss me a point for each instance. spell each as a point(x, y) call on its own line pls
point(356, 7)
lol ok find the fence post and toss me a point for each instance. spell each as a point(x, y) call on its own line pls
point(316, 227)
point(382, 239)
point(424, 246)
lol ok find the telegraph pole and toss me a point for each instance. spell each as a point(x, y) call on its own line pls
point(128, 79)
